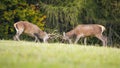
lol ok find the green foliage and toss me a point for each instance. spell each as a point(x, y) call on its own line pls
point(61, 15)
point(16, 10)
point(64, 16)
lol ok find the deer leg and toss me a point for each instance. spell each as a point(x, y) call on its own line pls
point(36, 37)
point(70, 41)
point(102, 39)
point(85, 41)
point(78, 37)
point(105, 38)
point(45, 40)
point(16, 37)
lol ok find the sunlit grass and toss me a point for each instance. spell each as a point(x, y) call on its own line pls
point(25, 54)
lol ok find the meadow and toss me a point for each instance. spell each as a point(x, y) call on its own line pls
point(25, 54)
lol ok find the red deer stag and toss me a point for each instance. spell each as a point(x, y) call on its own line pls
point(85, 30)
point(31, 30)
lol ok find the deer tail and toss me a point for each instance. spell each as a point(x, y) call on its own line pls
point(16, 27)
point(102, 28)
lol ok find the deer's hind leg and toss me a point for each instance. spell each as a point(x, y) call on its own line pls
point(85, 41)
point(103, 39)
point(18, 33)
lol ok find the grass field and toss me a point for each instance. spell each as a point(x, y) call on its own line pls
point(25, 54)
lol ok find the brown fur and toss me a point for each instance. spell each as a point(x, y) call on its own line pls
point(30, 29)
point(86, 30)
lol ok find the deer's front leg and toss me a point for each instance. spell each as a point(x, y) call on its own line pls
point(45, 40)
point(77, 39)
point(36, 39)
point(70, 41)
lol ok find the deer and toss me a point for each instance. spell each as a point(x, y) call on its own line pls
point(31, 30)
point(86, 30)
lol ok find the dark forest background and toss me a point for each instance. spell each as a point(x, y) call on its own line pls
point(62, 16)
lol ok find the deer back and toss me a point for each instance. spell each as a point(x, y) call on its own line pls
point(27, 27)
point(89, 29)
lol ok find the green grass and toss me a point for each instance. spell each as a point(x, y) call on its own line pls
point(25, 54)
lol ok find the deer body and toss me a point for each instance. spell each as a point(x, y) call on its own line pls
point(31, 30)
point(85, 30)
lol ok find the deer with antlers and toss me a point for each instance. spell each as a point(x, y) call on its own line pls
point(85, 30)
point(30, 29)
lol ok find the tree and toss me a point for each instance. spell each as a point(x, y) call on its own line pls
point(17, 10)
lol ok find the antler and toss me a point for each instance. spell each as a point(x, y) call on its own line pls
point(55, 35)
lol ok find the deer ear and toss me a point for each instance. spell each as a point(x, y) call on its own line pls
point(63, 33)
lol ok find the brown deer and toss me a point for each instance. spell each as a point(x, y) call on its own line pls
point(31, 30)
point(85, 30)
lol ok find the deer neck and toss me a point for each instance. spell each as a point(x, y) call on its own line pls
point(70, 33)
